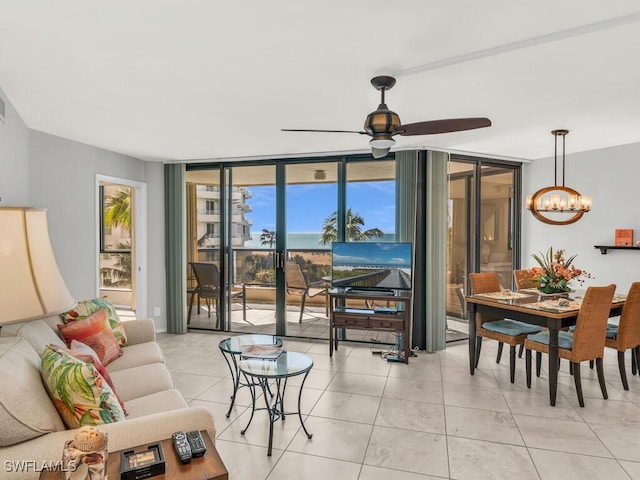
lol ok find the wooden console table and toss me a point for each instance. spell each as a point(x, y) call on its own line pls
point(361, 318)
point(207, 467)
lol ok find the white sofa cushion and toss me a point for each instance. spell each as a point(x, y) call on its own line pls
point(25, 408)
point(136, 355)
point(155, 403)
point(39, 335)
point(136, 382)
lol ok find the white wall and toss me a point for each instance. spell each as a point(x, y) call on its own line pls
point(14, 181)
point(61, 178)
point(611, 177)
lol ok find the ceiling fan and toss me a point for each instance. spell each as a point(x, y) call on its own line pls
point(383, 124)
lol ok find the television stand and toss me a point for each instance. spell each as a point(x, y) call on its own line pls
point(350, 316)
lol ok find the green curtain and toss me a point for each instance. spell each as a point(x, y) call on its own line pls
point(176, 251)
point(421, 199)
point(406, 186)
point(436, 183)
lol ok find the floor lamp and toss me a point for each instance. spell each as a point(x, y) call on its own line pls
point(31, 285)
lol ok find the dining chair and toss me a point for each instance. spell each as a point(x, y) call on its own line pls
point(523, 279)
point(626, 335)
point(511, 332)
point(208, 288)
point(585, 343)
point(297, 285)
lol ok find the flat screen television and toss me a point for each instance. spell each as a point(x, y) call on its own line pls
point(371, 266)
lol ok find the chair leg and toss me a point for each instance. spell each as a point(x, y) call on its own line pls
point(512, 363)
point(576, 380)
point(521, 350)
point(600, 370)
point(304, 298)
point(635, 356)
point(244, 307)
point(193, 294)
point(499, 356)
point(591, 364)
point(527, 357)
point(478, 348)
point(570, 368)
point(623, 370)
point(538, 363)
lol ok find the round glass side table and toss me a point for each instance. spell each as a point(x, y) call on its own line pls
point(231, 349)
point(259, 371)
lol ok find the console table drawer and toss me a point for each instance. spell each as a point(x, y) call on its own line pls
point(387, 323)
point(346, 321)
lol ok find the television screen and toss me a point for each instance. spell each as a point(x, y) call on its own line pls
point(371, 265)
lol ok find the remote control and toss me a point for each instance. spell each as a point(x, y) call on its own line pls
point(182, 447)
point(196, 443)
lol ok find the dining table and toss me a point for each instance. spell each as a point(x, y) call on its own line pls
point(554, 312)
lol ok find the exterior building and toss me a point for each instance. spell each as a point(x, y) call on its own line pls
point(208, 216)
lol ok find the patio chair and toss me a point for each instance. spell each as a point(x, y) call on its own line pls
point(297, 285)
point(208, 287)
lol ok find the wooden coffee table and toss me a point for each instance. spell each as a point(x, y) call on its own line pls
point(207, 467)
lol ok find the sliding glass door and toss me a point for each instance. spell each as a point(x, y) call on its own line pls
point(483, 230)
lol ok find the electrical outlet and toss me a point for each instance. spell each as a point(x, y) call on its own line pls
point(156, 312)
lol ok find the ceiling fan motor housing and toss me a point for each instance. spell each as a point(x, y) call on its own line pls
point(381, 125)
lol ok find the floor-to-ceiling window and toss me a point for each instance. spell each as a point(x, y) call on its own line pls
point(116, 226)
point(250, 220)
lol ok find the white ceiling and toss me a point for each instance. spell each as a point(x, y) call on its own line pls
point(192, 79)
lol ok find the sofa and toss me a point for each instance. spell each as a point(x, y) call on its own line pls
point(33, 434)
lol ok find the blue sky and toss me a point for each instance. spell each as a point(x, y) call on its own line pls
point(309, 205)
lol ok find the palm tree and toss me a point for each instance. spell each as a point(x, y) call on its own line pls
point(353, 226)
point(117, 212)
point(268, 237)
point(119, 274)
point(203, 239)
point(117, 208)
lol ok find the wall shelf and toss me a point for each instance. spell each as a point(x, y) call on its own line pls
point(604, 248)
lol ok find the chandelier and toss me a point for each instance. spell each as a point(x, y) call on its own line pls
point(558, 198)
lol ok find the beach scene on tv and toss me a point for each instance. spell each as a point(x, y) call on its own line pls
point(371, 266)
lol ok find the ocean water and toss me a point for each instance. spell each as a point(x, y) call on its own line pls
point(307, 241)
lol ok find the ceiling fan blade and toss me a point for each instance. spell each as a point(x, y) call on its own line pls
point(326, 131)
point(379, 152)
point(443, 126)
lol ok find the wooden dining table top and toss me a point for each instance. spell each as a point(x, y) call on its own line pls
point(532, 302)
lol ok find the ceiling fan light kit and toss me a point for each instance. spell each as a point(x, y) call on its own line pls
point(383, 124)
point(561, 199)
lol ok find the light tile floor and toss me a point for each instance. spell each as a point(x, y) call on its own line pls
point(373, 420)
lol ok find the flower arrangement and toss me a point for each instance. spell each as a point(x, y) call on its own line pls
point(555, 271)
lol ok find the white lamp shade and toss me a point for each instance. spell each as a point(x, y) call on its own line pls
point(31, 285)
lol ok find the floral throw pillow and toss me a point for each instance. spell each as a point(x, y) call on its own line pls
point(95, 332)
point(78, 391)
point(87, 307)
point(87, 354)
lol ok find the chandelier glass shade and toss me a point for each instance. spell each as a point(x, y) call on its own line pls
point(558, 198)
